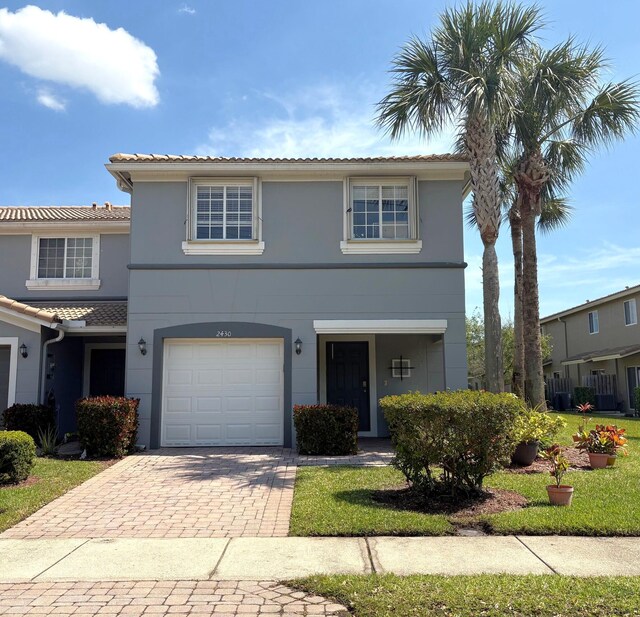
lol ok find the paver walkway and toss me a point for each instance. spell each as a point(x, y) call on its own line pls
point(158, 598)
point(175, 493)
point(187, 493)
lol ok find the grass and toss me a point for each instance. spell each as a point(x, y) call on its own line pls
point(55, 477)
point(337, 501)
point(482, 595)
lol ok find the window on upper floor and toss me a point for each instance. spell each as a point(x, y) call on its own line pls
point(64, 262)
point(630, 314)
point(594, 325)
point(381, 216)
point(224, 217)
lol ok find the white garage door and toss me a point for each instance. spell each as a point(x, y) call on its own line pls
point(222, 392)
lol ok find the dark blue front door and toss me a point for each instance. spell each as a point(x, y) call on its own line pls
point(348, 378)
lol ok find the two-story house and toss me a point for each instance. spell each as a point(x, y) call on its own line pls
point(597, 344)
point(251, 285)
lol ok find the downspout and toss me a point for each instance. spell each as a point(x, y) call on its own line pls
point(43, 381)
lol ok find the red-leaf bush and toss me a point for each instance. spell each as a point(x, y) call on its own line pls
point(450, 441)
point(107, 425)
point(326, 429)
point(17, 455)
point(32, 419)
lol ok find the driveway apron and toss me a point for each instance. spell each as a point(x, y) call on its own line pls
point(175, 493)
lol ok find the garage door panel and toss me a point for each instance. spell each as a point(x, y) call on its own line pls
point(223, 392)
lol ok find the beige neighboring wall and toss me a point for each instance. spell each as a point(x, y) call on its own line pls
point(569, 331)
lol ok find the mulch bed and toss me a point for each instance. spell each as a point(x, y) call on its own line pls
point(490, 501)
point(578, 461)
point(30, 481)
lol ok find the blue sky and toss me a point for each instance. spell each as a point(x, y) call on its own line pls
point(277, 78)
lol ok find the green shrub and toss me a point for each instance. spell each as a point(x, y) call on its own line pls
point(107, 425)
point(32, 419)
point(450, 441)
point(636, 399)
point(326, 429)
point(540, 426)
point(17, 455)
point(48, 441)
point(584, 394)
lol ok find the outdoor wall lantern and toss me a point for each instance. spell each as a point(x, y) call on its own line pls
point(24, 352)
point(298, 344)
point(142, 346)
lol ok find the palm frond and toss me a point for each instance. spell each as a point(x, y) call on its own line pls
point(556, 213)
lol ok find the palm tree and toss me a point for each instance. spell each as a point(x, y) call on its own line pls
point(563, 112)
point(556, 212)
point(466, 75)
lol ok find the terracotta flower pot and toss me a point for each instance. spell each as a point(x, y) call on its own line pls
point(611, 461)
point(560, 495)
point(597, 460)
point(525, 453)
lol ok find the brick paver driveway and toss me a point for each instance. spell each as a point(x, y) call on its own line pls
point(195, 598)
point(186, 493)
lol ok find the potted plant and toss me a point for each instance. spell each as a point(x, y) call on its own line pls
point(533, 428)
point(559, 494)
point(583, 409)
point(602, 444)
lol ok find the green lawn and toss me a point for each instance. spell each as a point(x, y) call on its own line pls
point(337, 500)
point(483, 595)
point(55, 477)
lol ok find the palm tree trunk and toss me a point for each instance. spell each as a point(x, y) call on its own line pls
point(481, 147)
point(515, 224)
point(530, 178)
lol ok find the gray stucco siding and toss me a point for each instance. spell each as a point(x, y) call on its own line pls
point(114, 257)
point(302, 223)
point(290, 299)
point(28, 369)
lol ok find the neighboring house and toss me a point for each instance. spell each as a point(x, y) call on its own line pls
point(253, 285)
point(597, 344)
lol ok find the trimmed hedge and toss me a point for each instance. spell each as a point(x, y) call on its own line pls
point(450, 441)
point(584, 394)
point(107, 425)
point(326, 429)
point(17, 455)
point(32, 419)
point(636, 400)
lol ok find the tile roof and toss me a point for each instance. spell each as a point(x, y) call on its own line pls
point(95, 313)
point(64, 213)
point(181, 158)
point(30, 311)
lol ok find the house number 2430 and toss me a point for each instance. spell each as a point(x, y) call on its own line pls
point(223, 334)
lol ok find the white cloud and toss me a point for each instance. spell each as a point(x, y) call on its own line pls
point(319, 122)
point(185, 8)
point(78, 52)
point(50, 100)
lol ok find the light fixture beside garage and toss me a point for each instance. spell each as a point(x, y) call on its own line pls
point(24, 352)
point(142, 346)
point(298, 344)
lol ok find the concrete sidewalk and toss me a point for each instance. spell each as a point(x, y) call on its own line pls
point(252, 559)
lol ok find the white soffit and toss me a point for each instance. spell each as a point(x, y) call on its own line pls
point(380, 326)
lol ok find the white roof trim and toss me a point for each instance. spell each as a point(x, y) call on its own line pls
point(567, 363)
point(106, 330)
point(95, 226)
point(25, 321)
point(380, 326)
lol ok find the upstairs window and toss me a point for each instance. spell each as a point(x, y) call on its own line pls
point(594, 325)
point(630, 314)
point(69, 262)
point(381, 216)
point(224, 217)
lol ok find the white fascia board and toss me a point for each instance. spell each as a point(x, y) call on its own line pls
point(571, 362)
point(103, 330)
point(380, 326)
point(33, 324)
point(24, 228)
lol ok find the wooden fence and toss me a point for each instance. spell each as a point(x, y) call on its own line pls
point(602, 384)
point(558, 384)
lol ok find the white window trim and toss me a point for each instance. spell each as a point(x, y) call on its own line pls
point(66, 284)
point(382, 246)
point(192, 246)
point(12, 343)
point(596, 322)
point(634, 314)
